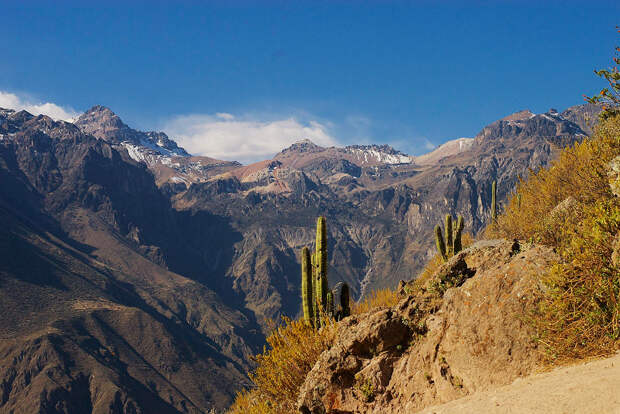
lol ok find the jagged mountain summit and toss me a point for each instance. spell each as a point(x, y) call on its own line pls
point(102, 123)
point(132, 268)
point(170, 163)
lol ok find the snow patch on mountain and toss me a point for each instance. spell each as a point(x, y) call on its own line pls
point(378, 154)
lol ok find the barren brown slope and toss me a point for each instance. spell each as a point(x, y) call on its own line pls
point(79, 336)
point(92, 317)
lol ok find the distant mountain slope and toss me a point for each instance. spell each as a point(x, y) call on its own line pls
point(380, 213)
point(91, 316)
point(447, 149)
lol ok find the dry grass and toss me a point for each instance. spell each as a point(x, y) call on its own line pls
point(291, 352)
point(376, 299)
point(579, 314)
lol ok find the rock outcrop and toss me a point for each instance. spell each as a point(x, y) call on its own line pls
point(466, 333)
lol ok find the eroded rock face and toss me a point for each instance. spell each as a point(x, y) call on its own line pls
point(428, 350)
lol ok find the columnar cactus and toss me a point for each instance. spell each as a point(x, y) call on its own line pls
point(342, 307)
point(321, 260)
point(449, 242)
point(452, 244)
point(316, 297)
point(493, 201)
point(315, 304)
point(306, 286)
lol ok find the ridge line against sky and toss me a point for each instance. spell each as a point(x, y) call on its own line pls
point(409, 74)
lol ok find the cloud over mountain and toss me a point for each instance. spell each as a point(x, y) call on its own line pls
point(225, 136)
point(57, 112)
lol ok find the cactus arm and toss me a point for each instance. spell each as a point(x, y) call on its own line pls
point(306, 286)
point(441, 247)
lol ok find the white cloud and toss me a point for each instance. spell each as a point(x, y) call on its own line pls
point(12, 101)
point(227, 137)
point(429, 145)
point(225, 116)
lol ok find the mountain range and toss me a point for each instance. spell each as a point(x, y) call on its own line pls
point(136, 277)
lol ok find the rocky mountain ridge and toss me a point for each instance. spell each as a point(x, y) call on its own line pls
point(126, 268)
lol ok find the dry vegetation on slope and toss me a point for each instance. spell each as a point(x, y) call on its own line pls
point(571, 207)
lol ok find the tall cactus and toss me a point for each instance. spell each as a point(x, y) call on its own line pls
point(452, 244)
point(306, 286)
point(315, 304)
point(494, 201)
point(321, 261)
point(449, 239)
point(316, 297)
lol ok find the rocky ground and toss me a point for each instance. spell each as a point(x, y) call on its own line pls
point(430, 348)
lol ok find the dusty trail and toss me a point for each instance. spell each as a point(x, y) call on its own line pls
point(586, 388)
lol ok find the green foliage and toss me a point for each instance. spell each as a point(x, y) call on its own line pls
point(453, 243)
point(365, 387)
point(609, 97)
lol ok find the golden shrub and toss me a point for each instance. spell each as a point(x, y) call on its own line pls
point(291, 351)
point(571, 207)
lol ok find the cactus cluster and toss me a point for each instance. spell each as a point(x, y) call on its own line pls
point(317, 299)
point(452, 243)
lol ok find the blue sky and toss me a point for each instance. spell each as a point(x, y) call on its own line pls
point(410, 74)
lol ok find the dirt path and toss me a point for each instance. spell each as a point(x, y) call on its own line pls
point(592, 387)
